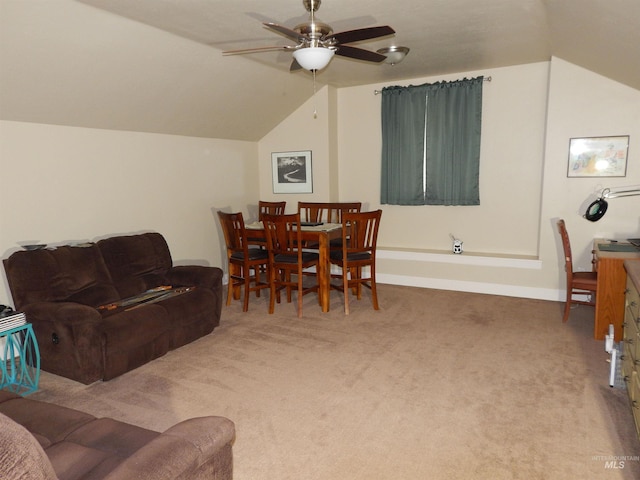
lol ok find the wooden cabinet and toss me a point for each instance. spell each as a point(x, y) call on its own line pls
point(631, 338)
point(611, 285)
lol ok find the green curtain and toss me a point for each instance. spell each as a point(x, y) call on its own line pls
point(403, 122)
point(431, 143)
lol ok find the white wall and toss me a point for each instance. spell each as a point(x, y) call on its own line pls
point(63, 184)
point(583, 104)
point(514, 109)
point(309, 128)
point(510, 247)
point(67, 185)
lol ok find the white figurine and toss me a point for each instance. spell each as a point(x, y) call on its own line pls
point(457, 244)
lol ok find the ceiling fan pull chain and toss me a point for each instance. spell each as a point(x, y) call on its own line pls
point(315, 110)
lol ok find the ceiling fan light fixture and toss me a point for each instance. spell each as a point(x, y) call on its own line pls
point(313, 58)
point(394, 54)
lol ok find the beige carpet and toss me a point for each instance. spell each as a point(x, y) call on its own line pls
point(435, 385)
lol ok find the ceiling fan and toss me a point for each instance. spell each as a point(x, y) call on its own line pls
point(316, 43)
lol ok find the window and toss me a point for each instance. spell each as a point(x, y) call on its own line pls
point(431, 143)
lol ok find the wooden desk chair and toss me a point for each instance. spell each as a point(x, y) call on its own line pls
point(287, 258)
point(242, 260)
point(578, 283)
point(359, 243)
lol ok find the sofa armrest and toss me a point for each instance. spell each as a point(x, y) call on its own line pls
point(69, 338)
point(195, 276)
point(21, 456)
point(62, 313)
point(198, 448)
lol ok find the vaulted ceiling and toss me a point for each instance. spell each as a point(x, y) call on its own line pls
point(157, 65)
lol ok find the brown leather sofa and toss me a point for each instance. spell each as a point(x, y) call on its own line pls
point(43, 441)
point(73, 296)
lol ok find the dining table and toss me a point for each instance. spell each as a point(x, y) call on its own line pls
point(317, 233)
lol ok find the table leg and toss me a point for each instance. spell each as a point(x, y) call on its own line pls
point(324, 272)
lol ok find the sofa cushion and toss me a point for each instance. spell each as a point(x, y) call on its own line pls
point(129, 329)
point(96, 295)
point(136, 262)
point(21, 456)
point(96, 448)
point(109, 435)
point(73, 461)
point(190, 307)
point(53, 275)
point(49, 423)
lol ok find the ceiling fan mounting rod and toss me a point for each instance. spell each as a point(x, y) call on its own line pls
point(311, 5)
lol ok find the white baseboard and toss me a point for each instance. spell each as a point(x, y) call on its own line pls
point(477, 259)
point(462, 285)
point(467, 258)
point(474, 287)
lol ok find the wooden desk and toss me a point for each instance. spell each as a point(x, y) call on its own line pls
point(612, 280)
point(322, 234)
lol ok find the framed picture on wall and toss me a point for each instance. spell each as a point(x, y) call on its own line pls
point(292, 172)
point(598, 156)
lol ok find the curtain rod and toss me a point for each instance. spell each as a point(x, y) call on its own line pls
point(485, 79)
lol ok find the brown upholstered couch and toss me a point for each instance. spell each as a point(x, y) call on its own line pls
point(70, 296)
point(43, 441)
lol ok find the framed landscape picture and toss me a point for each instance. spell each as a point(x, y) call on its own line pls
point(292, 172)
point(598, 156)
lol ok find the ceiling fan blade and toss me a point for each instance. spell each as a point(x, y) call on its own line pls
point(361, 34)
point(360, 54)
point(287, 32)
point(258, 50)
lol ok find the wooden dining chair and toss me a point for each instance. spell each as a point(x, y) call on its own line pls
point(266, 208)
point(270, 208)
point(578, 283)
point(359, 243)
point(312, 212)
point(287, 259)
point(245, 262)
point(336, 212)
point(330, 212)
point(326, 212)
